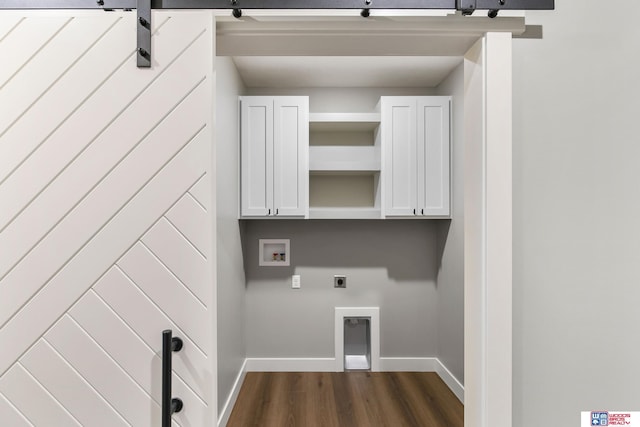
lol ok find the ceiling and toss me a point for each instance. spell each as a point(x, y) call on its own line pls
point(344, 71)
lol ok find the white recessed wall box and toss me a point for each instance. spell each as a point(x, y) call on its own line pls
point(274, 252)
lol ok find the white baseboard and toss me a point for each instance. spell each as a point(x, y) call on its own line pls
point(408, 364)
point(233, 396)
point(451, 381)
point(291, 364)
point(423, 364)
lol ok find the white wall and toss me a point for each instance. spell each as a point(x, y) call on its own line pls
point(231, 279)
point(576, 213)
point(450, 281)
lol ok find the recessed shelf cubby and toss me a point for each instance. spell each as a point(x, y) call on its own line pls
point(344, 165)
point(349, 195)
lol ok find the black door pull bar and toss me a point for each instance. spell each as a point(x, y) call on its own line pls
point(170, 404)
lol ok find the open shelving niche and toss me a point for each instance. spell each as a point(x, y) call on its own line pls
point(345, 166)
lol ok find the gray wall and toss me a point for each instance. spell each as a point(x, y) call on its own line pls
point(451, 274)
point(230, 280)
point(576, 213)
point(390, 264)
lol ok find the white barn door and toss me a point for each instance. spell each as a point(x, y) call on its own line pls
point(105, 230)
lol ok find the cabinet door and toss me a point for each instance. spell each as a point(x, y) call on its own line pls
point(400, 162)
point(256, 136)
point(433, 155)
point(290, 155)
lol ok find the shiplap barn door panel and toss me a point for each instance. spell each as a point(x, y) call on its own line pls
point(105, 237)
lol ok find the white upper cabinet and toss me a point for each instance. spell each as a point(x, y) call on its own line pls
point(416, 163)
point(274, 141)
point(393, 162)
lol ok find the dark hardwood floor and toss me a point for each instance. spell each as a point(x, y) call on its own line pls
point(345, 399)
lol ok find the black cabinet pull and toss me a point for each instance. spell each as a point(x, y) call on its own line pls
point(414, 211)
point(422, 211)
point(170, 404)
point(277, 211)
point(269, 211)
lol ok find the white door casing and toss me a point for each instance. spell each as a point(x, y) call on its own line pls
point(105, 240)
point(488, 233)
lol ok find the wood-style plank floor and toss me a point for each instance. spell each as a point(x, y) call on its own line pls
point(346, 399)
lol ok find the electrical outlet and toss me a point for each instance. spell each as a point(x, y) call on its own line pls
point(339, 281)
point(295, 281)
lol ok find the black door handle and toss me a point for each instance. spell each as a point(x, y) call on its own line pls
point(170, 404)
